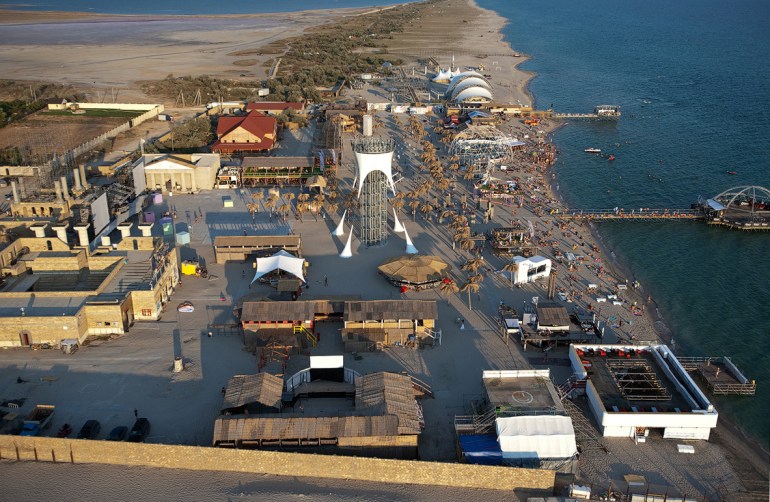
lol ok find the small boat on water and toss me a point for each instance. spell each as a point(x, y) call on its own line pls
point(592, 150)
point(732, 172)
point(611, 157)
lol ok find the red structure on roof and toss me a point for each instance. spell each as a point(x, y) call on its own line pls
point(254, 132)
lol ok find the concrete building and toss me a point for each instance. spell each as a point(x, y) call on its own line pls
point(178, 172)
point(633, 389)
point(52, 292)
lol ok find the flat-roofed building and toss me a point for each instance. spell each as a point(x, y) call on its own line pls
point(51, 292)
point(243, 247)
point(632, 389)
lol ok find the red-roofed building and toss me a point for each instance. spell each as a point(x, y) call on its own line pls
point(275, 107)
point(252, 133)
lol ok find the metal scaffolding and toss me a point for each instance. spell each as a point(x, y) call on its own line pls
point(482, 145)
point(373, 198)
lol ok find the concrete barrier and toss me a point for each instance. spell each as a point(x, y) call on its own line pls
point(43, 449)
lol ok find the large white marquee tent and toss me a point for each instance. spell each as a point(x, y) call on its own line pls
point(281, 260)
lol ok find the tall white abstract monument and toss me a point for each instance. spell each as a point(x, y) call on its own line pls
point(374, 176)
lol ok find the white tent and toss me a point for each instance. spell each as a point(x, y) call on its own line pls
point(537, 437)
point(283, 261)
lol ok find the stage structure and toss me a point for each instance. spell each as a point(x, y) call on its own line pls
point(483, 145)
point(374, 176)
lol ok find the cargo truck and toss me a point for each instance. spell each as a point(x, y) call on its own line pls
point(38, 420)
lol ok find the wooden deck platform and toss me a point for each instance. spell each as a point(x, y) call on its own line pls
point(720, 375)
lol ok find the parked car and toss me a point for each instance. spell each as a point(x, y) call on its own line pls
point(90, 430)
point(119, 433)
point(139, 431)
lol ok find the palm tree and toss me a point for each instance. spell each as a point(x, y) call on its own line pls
point(426, 209)
point(445, 214)
point(448, 288)
point(472, 265)
point(398, 204)
point(270, 204)
point(511, 268)
point(476, 278)
point(467, 244)
point(284, 211)
point(413, 205)
point(258, 196)
point(253, 207)
point(301, 208)
point(470, 287)
point(332, 207)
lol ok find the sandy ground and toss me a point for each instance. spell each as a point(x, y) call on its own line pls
point(115, 51)
point(453, 369)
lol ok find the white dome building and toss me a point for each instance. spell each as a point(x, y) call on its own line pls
point(469, 87)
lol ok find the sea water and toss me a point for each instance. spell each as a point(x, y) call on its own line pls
point(693, 80)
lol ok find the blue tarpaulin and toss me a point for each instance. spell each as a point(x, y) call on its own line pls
point(481, 449)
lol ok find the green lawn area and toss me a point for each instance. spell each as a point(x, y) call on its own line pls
point(97, 112)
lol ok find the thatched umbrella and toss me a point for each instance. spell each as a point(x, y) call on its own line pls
point(415, 270)
point(316, 181)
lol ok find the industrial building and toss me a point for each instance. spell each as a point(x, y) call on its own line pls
point(51, 291)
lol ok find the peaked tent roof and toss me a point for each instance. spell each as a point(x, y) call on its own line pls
point(283, 261)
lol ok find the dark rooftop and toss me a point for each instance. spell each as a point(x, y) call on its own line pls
point(390, 309)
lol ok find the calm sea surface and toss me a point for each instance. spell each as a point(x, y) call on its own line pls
point(693, 80)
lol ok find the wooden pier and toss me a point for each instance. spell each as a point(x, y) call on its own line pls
point(601, 112)
point(633, 214)
point(720, 375)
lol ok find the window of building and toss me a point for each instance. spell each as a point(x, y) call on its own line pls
point(147, 312)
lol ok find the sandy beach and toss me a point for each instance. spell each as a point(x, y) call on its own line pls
point(101, 51)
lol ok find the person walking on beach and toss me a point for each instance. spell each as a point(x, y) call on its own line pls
point(136, 413)
point(326, 281)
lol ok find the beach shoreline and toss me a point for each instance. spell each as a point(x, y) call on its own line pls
point(743, 447)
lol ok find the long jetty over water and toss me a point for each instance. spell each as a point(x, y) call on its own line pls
point(641, 214)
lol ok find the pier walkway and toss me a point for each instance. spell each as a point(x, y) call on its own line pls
point(642, 214)
point(586, 116)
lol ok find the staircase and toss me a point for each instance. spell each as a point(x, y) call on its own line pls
point(422, 388)
point(476, 424)
point(435, 334)
point(586, 434)
point(303, 332)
